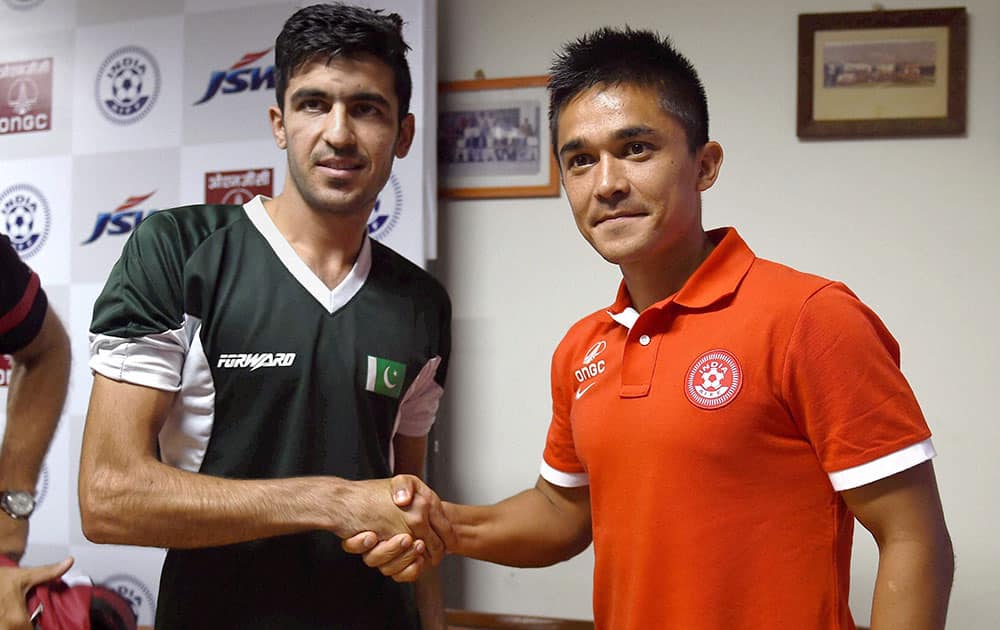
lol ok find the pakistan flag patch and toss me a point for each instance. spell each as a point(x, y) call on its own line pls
point(385, 377)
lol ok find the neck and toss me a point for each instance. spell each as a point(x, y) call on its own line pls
point(328, 242)
point(648, 282)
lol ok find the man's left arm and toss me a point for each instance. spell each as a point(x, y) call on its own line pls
point(916, 562)
point(410, 456)
point(37, 391)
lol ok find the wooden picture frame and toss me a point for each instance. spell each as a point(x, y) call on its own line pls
point(880, 74)
point(494, 141)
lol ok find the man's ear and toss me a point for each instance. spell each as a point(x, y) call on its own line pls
point(407, 127)
point(277, 119)
point(709, 159)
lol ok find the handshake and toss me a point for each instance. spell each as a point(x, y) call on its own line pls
point(403, 529)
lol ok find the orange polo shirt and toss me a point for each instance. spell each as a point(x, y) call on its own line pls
point(715, 429)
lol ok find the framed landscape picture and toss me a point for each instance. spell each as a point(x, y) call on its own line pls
point(882, 74)
point(493, 139)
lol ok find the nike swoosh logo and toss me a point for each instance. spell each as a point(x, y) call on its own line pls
point(581, 392)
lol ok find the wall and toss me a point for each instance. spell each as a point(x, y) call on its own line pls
point(909, 224)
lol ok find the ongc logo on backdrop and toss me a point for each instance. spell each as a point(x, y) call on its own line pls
point(26, 218)
point(127, 85)
point(240, 78)
point(238, 187)
point(387, 211)
point(26, 96)
point(122, 220)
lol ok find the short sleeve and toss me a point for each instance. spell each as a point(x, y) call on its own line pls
point(418, 408)
point(23, 303)
point(843, 386)
point(560, 464)
point(139, 332)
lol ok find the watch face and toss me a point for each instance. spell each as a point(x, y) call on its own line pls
point(19, 503)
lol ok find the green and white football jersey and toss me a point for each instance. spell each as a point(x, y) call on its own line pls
point(276, 376)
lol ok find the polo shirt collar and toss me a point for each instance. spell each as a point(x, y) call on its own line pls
point(716, 278)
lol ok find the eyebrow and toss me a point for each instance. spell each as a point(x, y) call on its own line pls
point(303, 94)
point(625, 133)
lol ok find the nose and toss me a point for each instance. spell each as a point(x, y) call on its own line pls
point(338, 131)
point(612, 184)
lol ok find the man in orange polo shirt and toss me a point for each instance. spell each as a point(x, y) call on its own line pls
point(717, 429)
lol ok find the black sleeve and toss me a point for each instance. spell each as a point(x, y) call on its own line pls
point(22, 301)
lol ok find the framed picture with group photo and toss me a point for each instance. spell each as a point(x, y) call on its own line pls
point(494, 141)
point(882, 73)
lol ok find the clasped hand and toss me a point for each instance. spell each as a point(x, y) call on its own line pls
point(404, 556)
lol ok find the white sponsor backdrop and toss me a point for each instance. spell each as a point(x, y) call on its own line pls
point(138, 137)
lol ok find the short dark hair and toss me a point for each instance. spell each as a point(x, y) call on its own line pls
point(611, 56)
point(326, 31)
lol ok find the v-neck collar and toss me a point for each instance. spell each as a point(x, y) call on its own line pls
point(329, 299)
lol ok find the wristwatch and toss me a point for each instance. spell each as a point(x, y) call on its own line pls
point(17, 503)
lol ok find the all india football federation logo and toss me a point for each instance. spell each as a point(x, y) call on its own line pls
point(127, 85)
point(26, 218)
point(25, 96)
point(238, 187)
point(713, 380)
point(42, 487)
point(388, 208)
point(138, 595)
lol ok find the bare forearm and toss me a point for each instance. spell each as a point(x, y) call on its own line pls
point(34, 402)
point(430, 600)
point(913, 585)
point(526, 530)
point(156, 505)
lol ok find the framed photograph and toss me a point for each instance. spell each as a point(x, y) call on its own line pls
point(882, 74)
point(494, 141)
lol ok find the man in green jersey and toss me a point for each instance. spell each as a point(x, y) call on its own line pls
point(260, 371)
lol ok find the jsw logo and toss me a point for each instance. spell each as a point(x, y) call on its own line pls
point(256, 360)
point(240, 78)
point(122, 220)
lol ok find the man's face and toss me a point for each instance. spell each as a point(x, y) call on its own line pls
point(341, 129)
point(631, 181)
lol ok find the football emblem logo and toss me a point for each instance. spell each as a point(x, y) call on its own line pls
point(127, 85)
point(26, 218)
point(386, 212)
point(138, 595)
point(713, 380)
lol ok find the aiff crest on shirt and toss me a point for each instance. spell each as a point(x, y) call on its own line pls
point(713, 380)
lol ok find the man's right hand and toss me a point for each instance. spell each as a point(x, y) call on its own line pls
point(15, 582)
point(402, 511)
point(402, 557)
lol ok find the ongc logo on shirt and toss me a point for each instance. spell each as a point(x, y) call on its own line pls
point(26, 96)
